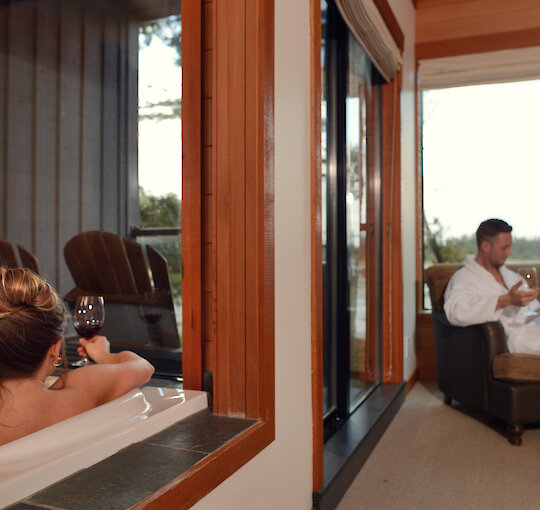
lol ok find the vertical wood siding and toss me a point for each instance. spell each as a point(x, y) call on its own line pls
point(68, 132)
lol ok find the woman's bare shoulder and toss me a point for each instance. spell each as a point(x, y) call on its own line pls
point(28, 412)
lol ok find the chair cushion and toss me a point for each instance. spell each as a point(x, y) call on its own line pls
point(517, 367)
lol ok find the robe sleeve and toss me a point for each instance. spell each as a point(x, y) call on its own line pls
point(465, 305)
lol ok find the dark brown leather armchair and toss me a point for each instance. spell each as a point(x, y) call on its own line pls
point(465, 358)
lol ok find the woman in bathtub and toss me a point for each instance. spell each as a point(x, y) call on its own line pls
point(31, 337)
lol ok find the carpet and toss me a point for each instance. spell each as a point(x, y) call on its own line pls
point(437, 457)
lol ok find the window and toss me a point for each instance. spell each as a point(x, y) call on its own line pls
point(351, 233)
point(159, 145)
point(480, 161)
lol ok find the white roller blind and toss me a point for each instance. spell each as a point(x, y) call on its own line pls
point(366, 23)
point(494, 67)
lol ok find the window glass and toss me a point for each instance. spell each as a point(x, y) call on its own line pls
point(350, 213)
point(480, 161)
point(160, 142)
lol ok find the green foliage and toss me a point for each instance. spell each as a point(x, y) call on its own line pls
point(159, 211)
point(163, 211)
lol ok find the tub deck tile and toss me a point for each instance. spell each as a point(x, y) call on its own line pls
point(202, 432)
point(119, 482)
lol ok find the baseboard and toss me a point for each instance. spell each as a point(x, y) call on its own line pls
point(412, 381)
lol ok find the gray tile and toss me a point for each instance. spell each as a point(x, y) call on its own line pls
point(120, 481)
point(202, 432)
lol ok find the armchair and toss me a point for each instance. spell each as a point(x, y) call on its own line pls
point(475, 368)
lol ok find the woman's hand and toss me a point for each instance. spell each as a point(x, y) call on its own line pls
point(97, 348)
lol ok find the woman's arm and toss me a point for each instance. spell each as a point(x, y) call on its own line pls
point(113, 375)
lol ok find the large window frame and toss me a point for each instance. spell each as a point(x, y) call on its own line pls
point(237, 113)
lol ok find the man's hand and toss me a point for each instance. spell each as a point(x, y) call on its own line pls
point(517, 297)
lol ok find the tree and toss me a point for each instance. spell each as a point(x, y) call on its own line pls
point(159, 211)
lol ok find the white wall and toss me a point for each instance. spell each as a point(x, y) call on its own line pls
point(404, 12)
point(281, 475)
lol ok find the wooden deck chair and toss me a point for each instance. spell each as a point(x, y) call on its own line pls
point(8, 257)
point(115, 267)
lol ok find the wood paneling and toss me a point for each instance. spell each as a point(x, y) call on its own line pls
point(192, 194)
point(68, 125)
point(391, 22)
point(457, 27)
point(243, 208)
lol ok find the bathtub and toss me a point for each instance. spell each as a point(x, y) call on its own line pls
point(38, 460)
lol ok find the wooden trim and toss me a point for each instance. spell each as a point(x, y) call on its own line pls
point(392, 298)
point(391, 22)
point(316, 248)
point(478, 44)
point(192, 257)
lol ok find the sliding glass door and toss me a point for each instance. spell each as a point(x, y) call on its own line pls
point(351, 220)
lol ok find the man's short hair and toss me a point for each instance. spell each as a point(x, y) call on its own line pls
point(491, 228)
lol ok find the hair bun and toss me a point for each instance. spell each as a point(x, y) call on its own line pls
point(20, 287)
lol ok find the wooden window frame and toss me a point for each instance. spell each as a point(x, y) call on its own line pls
point(243, 230)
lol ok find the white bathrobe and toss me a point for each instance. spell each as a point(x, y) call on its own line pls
point(471, 298)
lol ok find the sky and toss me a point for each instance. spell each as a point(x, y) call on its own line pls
point(481, 156)
point(160, 142)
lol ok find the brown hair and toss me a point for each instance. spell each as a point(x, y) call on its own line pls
point(31, 320)
point(489, 229)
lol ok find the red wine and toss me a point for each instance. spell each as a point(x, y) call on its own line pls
point(88, 330)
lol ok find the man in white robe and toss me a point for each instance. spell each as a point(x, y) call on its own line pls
point(486, 290)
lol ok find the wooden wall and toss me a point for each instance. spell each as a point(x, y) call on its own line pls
point(68, 125)
point(457, 27)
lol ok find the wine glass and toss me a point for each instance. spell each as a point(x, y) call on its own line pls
point(151, 314)
point(531, 282)
point(530, 277)
point(88, 318)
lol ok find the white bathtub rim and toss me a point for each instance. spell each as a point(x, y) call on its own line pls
point(11, 458)
point(24, 484)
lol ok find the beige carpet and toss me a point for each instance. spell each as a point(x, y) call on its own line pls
point(436, 457)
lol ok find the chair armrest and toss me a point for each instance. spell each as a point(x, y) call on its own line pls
point(495, 339)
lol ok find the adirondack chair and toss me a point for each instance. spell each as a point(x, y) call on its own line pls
point(138, 299)
point(8, 256)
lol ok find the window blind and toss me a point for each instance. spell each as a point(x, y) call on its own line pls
point(493, 67)
point(367, 25)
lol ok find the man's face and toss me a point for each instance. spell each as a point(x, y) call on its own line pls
point(498, 249)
